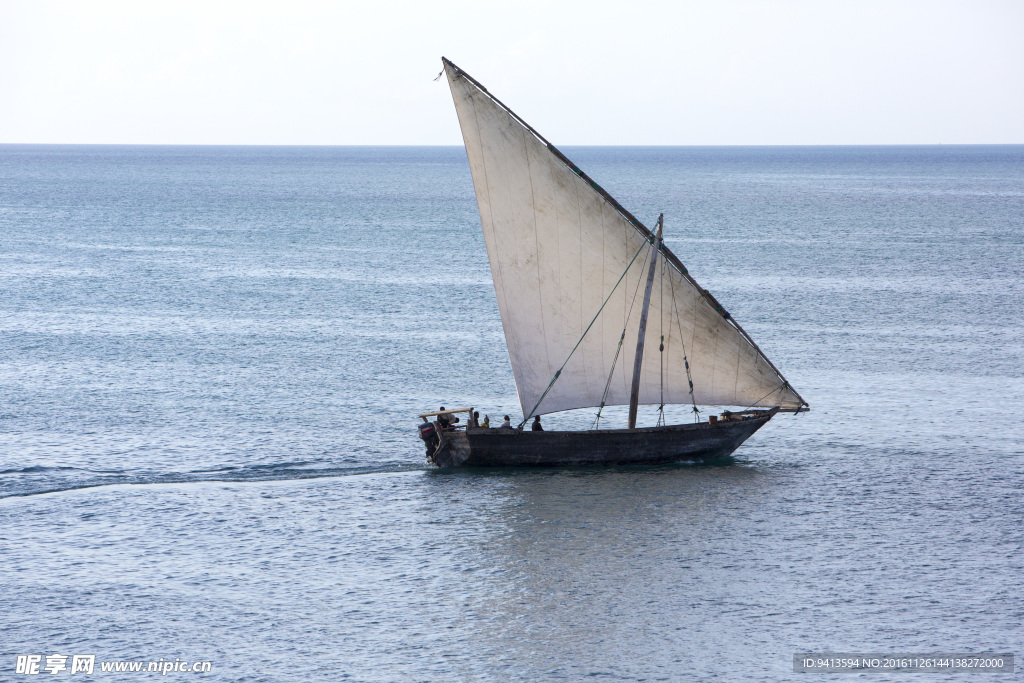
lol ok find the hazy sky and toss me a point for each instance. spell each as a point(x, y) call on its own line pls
point(596, 73)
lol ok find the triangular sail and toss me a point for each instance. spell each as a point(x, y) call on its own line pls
point(557, 245)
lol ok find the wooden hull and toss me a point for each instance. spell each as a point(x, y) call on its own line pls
point(479, 447)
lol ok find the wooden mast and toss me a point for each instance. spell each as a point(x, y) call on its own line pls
point(634, 396)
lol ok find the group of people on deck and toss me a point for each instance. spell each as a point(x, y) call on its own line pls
point(447, 420)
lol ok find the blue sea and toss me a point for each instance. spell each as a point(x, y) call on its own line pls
point(212, 359)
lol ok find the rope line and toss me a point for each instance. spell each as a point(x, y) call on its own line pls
point(608, 384)
point(781, 387)
point(618, 350)
point(686, 363)
point(559, 371)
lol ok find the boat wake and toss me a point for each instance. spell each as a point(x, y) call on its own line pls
point(38, 480)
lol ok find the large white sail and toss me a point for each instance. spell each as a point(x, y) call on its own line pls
point(559, 248)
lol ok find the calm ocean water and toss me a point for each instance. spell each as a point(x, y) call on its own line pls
point(211, 360)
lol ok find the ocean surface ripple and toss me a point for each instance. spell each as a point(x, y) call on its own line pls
point(212, 358)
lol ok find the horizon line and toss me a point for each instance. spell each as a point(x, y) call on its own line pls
point(369, 145)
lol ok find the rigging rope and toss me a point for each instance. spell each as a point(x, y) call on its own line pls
point(758, 401)
point(608, 384)
point(559, 371)
point(618, 349)
point(689, 378)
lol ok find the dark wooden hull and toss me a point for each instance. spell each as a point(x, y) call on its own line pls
point(479, 447)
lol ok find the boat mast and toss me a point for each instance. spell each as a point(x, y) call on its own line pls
point(634, 396)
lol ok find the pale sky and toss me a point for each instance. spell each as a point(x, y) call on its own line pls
point(630, 72)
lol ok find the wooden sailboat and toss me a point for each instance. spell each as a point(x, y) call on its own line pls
point(569, 263)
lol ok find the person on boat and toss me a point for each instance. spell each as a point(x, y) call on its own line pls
point(444, 420)
point(487, 422)
point(507, 423)
point(536, 424)
point(474, 419)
